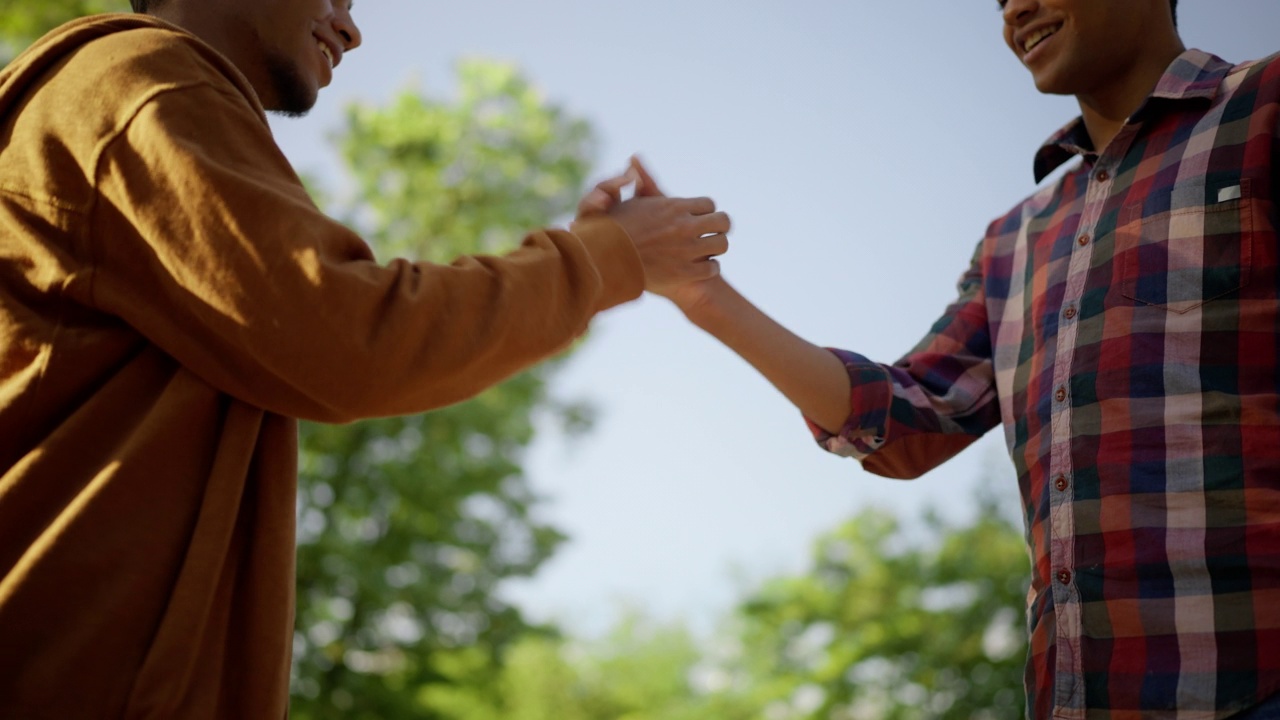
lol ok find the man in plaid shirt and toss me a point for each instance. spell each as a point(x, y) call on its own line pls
point(1122, 325)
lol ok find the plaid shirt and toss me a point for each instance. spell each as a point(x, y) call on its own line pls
point(1122, 324)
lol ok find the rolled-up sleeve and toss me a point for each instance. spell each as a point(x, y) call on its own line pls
point(909, 417)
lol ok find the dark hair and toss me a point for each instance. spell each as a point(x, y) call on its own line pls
point(141, 6)
point(1173, 8)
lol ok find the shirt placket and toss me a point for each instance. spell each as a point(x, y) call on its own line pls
point(1069, 693)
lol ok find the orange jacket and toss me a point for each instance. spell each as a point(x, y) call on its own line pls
point(170, 301)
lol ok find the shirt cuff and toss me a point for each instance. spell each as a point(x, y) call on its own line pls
point(871, 392)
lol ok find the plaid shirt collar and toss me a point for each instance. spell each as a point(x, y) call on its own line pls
point(1193, 76)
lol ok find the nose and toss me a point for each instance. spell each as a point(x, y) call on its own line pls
point(1017, 12)
point(345, 26)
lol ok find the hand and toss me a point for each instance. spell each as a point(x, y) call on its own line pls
point(606, 194)
point(645, 184)
point(677, 238)
point(690, 297)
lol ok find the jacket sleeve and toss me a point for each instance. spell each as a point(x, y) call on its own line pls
point(205, 241)
point(910, 417)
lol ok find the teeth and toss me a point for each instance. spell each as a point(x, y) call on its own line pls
point(328, 54)
point(1039, 36)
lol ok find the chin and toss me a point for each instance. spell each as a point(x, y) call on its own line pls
point(296, 107)
point(294, 93)
point(1050, 83)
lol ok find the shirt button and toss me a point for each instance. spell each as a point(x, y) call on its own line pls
point(1103, 176)
point(1060, 483)
point(1064, 576)
point(1060, 395)
point(1083, 240)
point(1070, 313)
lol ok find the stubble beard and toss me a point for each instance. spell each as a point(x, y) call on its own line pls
point(294, 98)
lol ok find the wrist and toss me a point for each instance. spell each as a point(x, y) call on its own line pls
point(704, 302)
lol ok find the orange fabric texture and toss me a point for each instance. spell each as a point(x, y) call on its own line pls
point(170, 301)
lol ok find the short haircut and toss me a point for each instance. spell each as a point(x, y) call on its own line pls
point(1173, 7)
point(141, 6)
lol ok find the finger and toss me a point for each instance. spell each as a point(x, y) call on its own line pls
point(596, 202)
point(717, 222)
point(606, 194)
point(704, 269)
point(698, 206)
point(645, 184)
point(613, 186)
point(711, 245)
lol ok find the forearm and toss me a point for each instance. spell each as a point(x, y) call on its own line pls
point(813, 379)
point(266, 299)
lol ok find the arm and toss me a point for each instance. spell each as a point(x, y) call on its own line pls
point(813, 379)
point(205, 242)
point(900, 420)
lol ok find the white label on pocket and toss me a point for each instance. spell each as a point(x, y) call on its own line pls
point(1229, 193)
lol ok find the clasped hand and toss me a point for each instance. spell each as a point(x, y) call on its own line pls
point(677, 239)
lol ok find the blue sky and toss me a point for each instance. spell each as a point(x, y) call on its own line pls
point(861, 148)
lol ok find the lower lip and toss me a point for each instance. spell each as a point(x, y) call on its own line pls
point(1038, 50)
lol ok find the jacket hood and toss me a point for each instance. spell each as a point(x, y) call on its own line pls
point(27, 70)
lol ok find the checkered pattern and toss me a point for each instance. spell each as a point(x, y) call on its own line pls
point(1123, 326)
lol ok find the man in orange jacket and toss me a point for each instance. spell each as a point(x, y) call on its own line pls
point(171, 301)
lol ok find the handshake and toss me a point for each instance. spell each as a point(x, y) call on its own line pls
point(677, 239)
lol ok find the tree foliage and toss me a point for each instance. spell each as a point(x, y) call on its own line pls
point(641, 670)
point(22, 21)
point(409, 525)
point(887, 623)
point(889, 627)
point(438, 178)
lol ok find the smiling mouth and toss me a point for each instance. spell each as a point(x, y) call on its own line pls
point(1038, 37)
point(328, 54)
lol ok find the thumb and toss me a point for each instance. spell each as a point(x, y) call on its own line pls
point(646, 186)
point(606, 194)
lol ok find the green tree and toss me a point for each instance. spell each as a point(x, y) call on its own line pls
point(891, 624)
point(895, 619)
point(641, 670)
point(407, 526)
point(22, 21)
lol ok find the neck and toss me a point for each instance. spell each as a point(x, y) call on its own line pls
point(1107, 108)
point(205, 21)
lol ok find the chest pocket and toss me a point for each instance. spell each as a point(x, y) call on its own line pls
point(1198, 249)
